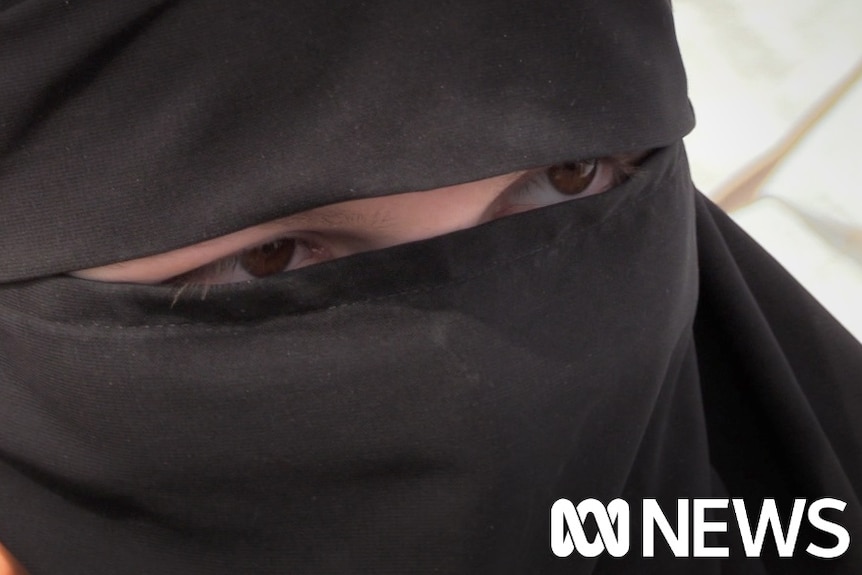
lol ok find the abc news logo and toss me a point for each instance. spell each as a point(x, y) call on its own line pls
point(612, 533)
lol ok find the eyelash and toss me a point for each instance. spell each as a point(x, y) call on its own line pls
point(545, 184)
point(209, 274)
point(521, 196)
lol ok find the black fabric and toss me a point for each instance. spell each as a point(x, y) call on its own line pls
point(129, 128)
point(411, 410)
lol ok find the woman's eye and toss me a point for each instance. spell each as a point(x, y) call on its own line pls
point(268, 259)
point(573, 178)
point(257, 262)
point(560, 183)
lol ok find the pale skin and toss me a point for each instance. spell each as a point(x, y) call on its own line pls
point(342, 229)
point(8, 565)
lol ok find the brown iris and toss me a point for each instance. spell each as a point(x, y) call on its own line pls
point(268, 259)
point(573, 178)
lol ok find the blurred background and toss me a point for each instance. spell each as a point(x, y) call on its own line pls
point(776, 90)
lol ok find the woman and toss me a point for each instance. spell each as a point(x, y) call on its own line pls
point(184, 392)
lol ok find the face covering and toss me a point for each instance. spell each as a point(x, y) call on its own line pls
point(417, 409)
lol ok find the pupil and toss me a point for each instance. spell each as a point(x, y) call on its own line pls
point(573, 178)
point(268, 259)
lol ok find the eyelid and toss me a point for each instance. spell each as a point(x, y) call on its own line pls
point(521, 180)
point(214, 271)
point(532, 189)
point(163, 267)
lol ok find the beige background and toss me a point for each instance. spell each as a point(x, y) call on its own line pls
point(755, 67)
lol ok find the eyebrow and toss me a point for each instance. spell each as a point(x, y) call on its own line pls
point(335, 216)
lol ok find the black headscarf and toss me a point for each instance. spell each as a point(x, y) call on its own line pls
point(411, 410)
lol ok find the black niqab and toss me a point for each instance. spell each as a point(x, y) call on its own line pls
point(412, 410)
